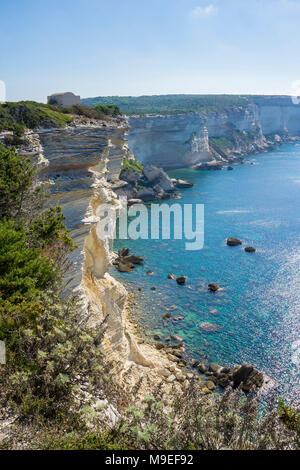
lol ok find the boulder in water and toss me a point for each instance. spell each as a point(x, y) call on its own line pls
point(248, 377)
point(250, 249)
point(182, 184)
point(125, 262)
point(233, 241)
point(214, 367)
point(132, 259)
point(132, 201)
point(181, 280)
point(213, 287)
point(124, 268)
point(241, 373)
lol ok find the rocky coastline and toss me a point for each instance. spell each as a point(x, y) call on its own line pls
point(105, 300)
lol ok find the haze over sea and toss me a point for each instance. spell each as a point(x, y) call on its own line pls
point(258, 309)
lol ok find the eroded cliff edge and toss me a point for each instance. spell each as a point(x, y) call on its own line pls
point(213, 137)
point(84, 164)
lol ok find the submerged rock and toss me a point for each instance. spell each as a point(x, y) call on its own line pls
point(177, 338)
point(209, 327)
point(213, 311)
point(233, 241)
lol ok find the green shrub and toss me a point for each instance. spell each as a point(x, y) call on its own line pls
point(132, 164)
point(16, 179)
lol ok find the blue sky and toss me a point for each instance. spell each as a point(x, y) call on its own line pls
point(134, 47)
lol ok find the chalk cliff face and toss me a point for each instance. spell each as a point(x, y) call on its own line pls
point(280, 119)
point(160, 140)
point(193, 139)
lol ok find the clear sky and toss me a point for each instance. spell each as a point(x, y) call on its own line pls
point(135, 47)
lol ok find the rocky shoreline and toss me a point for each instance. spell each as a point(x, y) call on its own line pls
point(136, 360)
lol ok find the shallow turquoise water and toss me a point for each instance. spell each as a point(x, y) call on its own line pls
point(258, 309)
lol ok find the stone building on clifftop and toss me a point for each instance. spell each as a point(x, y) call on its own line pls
point(64, 99)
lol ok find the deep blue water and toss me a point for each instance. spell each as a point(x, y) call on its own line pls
point(258, 308)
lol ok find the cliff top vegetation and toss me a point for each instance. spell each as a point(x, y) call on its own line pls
point(15, 116)
point(168, 104)
point(179, 104)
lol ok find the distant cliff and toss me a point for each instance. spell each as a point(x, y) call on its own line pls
point(185, 130)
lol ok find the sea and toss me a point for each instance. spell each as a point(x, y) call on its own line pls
point(256, 313)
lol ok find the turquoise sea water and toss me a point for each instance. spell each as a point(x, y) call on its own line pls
point(259, 307)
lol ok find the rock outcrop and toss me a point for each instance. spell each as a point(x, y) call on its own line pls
point(125, 261)
point(148, 184)
point(247, 376)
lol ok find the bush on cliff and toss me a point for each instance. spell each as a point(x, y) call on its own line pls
point(131, 164)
